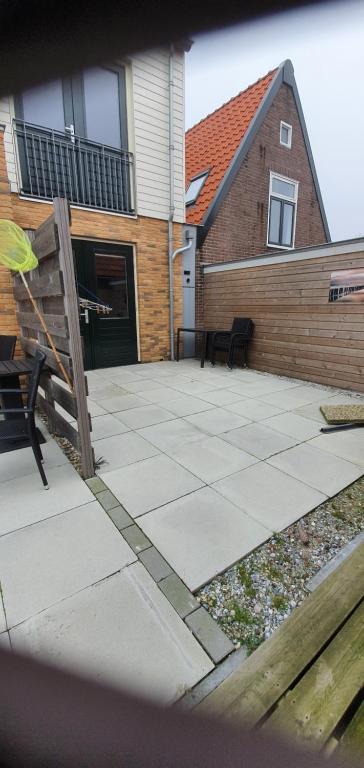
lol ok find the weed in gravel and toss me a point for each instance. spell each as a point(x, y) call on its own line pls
point(242, 615)
point(280, 603)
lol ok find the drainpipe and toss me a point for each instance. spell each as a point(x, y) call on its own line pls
point(184, 248)
point(171, 198)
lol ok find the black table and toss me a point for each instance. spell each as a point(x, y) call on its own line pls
point(10, 370)
point(203, 333)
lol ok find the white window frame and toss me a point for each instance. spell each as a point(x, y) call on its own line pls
point(287, 144)
point(279, 196)
point(202, 176)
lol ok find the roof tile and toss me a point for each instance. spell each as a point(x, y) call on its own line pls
point(212, 143)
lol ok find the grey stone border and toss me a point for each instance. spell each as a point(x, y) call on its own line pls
point(206, 631)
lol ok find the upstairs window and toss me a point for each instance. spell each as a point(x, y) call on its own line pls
point(282, 211)
point(285, 136)
point(194, 188)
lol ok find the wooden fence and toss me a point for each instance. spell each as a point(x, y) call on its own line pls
point(297, 331)
point(54, 288)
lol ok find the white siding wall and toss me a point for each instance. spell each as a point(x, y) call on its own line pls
point(6, 115)
point(148, 117)
point(150, 82)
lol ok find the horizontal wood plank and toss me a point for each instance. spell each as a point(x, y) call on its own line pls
point(313, 708)
point(45, 242)
point(30, 346)
point(56, 324)
point(50, 284)
point(57, 423)
point(62, 396)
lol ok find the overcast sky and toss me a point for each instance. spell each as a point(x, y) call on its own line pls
point(326, 47)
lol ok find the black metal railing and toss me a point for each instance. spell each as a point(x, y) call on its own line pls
point(88, 174)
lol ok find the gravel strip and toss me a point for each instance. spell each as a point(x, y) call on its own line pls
point(252, 598)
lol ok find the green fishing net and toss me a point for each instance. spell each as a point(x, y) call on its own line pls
point(15, 248)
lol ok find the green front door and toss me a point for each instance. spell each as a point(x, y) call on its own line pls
point(105, 274)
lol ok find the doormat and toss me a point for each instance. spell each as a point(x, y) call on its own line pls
point(343, 414)
point(22, 442)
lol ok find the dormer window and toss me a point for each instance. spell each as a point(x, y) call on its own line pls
point(194, 188)
point(286, 135)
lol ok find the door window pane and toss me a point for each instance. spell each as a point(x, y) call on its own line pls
point(111, 284)
point(287, 224)
point(283, 188)
point(274, 220)
point(43, 105)
point(102, 106)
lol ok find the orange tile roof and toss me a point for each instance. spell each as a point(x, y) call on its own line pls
point(212, 143)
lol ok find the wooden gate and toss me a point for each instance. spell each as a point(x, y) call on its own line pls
point(53, 286)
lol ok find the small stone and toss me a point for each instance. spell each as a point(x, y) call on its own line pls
point(258, 608)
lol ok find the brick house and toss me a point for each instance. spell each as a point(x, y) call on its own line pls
point(111, 140)
point(251, 181)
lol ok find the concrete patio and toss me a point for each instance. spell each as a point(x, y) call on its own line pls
point(197, 468)
point(210, 462)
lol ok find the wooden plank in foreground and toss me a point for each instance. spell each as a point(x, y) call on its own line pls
point(250, 692)
point(315, 706)
point(352, 742)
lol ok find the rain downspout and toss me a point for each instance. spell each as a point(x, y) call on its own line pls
point(171, 199)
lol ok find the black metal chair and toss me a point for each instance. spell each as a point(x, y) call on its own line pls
point(24, 426)
point(230, 341)
point(7, 347)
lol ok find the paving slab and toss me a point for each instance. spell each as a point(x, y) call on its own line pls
point(122, 403)
point(146, 416)
point(197, 387)
point(26, 502)
point(269, 496)
point(94, 408)
point(209, 634)
point(212, 458)
point(221, 397)
point(58, 557)
point(120, 517)
point(346, 445)
point(171, 434)
point(254, 409)
point(216, 421)
point(262, 387)
point(258, 440)
point(107, 426)
point(294, 425)
point(155, 564)
point(104, 391)
point(185, 405)
point(17, 464)
point(136, 538)
point(162, 396)
point(148, 484)
point(178, 595)
point(96, 485)
point(317, 468)
point(120, 450)
point(121, 631)
point(335, 561)
point(201, 535)
point(107, 500)
point(296, 397)
point(142, 385)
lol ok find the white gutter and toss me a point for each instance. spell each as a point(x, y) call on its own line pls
point(171, 198)
point(171, 296)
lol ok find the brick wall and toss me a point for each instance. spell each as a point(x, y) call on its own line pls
point(8, 323)
point(149, 237)
point(240, 228)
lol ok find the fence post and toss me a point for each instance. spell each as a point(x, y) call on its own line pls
point(62, 220)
